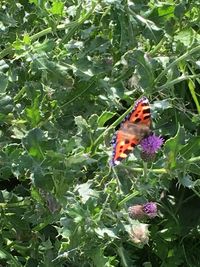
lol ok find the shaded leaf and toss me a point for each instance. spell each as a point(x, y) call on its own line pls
point(187, 181)
point(191, 148)
point(173, 146)
point(3, 82)
point(33, 142)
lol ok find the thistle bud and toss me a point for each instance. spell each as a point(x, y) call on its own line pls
point(136, 212)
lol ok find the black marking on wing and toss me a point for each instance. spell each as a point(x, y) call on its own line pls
point(147, 117)
point(127, 151)
point(119, 159)
point(137, 120)
point(144, 104)
point(133, 144)
point(146, 111)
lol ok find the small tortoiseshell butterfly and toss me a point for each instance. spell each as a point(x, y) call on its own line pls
point(133, 129)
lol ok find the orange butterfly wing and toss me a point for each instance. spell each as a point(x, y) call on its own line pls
point(134, 128)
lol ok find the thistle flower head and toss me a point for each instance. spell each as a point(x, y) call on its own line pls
point(151, 144)
point(140, 234)
point(147, 210)
point(150, 209)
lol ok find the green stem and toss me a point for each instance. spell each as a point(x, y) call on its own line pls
point(196, 192)
point(194, 159)
point(161, 170)
point(170, 66)
point(17, 204)
point(118, 181)
point(105, 177)
point(122, 256)
point(157, 47)
point(21, 92)
point(141, 170)
point(178, 80)
point(191, 87)
point(103, 207)
point(145, 170)
point(19, 247)
point(127, 198)
point(130, 25)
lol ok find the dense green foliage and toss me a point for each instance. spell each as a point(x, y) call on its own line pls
point(69, 71)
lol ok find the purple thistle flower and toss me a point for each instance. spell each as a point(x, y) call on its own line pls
point(151, 144)
point(139, 212)
point(150, 209)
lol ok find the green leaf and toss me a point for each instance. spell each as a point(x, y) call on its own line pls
point(33, 113)
point(187, 37)
point(6, 104)
point(83, 131)
point(173, 147)
point(102, 232)
point(186, 181)
point(3, 66)
point(85, 191)
point(143, 68)
point(105, 116)
point(79, 159)
point(26, 39)
point(57, 8)
point(40, 179)
point(180, 9)
point(191, 148)
point(33, 142)
point(3, 82)
point(98, 258)
point(194, 168)
point(162, 104)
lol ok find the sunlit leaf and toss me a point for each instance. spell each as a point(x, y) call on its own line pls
point(105, 116)
point(57, 8)
point(85, 191)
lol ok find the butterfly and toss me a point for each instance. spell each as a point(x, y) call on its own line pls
point(133, 129)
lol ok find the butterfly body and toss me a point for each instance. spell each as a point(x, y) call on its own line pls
point(138, 130)
point(133, 129)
